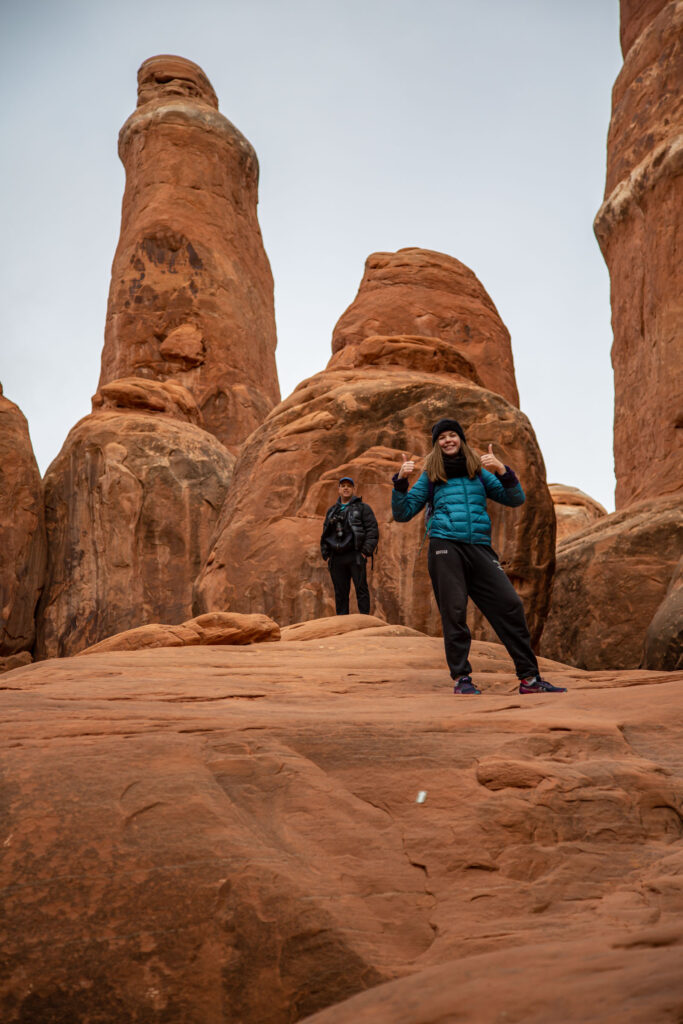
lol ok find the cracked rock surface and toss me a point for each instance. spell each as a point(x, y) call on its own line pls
point(203, 834)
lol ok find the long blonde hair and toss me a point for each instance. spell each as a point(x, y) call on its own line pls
point(434, 465)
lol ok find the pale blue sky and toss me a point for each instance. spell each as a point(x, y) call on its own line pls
point(475, 128)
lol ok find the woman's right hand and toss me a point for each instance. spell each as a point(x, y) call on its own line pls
point(407, 467)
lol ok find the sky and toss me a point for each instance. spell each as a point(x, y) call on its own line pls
point(474, 128)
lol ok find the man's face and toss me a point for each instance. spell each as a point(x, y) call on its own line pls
point(345, 491)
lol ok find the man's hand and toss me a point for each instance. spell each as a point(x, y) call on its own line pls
point(490, 462)
point(407, 467)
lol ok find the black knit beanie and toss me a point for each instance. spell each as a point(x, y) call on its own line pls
point(444, 425)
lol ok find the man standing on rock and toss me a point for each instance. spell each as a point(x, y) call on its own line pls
point(350, 535)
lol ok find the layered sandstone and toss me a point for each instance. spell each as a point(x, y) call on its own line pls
point(610, 580)
point(639, 228)
point(431, 295)
point(191, 297)
point(232, 834)
point(376, 400)
point(214, 628)
point(22, 532)
point(131, 503)
point(574, 509)
point(664, 637)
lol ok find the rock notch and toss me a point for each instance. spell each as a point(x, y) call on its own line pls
point(191, 296)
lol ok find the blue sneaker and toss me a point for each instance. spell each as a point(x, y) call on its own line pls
point(534, 684)
point(465, 685)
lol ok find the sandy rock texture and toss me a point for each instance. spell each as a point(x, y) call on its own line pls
point(612, 577)
point(22, 532)
point(431, 295)
point(610, 580)
point(191, 297)
point(664, 637)
point(574, 509)
point(205, 834)
point(214, 628)
point(639, 228)
point(131, 503)
point(377, 399)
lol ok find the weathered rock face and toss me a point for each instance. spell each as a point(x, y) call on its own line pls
point(191, 297)
point(431, 295)
point(206, 834)
point(610, 579)
point(131, 503)
point(574, 510)
point(664, 638)
point(214, 628)
point(377, 399)
point(639, 228)
point(22, 532)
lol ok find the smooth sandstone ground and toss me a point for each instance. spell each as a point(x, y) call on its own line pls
point(223, 834)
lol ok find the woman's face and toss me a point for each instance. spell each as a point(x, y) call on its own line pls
point(449, 442)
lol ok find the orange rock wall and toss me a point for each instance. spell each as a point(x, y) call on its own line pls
point(131, 504)
point(639, 228)
point(22, 532)
point(191, 297)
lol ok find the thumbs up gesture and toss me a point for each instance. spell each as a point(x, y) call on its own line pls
point(407, 467)
point(490, 462)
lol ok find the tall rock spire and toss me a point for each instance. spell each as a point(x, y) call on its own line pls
point(191, 296)
point(639, 227)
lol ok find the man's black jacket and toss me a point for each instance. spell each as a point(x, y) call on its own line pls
point(353, 529)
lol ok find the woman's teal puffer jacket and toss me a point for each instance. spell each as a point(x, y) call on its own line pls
point(459, 504)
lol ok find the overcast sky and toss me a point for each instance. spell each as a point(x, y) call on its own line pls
point(475, 128)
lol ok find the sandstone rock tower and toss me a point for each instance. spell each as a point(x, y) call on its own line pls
point(188, 371)
point(639, 228)
point(191, 297)
point(615, 602)
point(432, 353)
point(22, 532)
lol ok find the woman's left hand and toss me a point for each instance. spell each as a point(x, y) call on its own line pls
point(490, 462)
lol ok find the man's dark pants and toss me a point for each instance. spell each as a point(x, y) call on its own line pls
point(461, 570)
point(349, 565)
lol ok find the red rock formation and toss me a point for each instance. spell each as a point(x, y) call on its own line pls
point(434, 296)
point(664, 637)
point(377, 398)
point(574, 510)
point(131, 504)
point(191, 295)
point(214, 628)
point(639, 228)
point(232, 834)
point(610, 579)
point(22, 532)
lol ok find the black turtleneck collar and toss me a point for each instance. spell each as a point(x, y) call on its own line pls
point(455, 465)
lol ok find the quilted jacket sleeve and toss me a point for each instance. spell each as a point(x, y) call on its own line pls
point(505, 489)
point(406, 504)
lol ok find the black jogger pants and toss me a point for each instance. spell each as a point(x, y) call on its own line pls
point(350, 565)
point(459, 571)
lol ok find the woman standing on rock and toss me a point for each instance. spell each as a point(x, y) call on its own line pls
point(455, 485)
